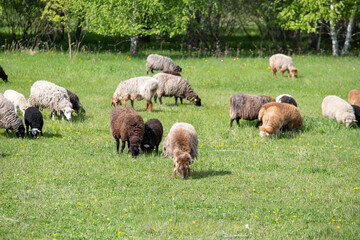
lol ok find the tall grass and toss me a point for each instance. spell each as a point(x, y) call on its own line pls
point(71, 184)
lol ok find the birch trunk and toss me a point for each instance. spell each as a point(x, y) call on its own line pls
point(134, 45)
point(333, 34)
point(348, 33)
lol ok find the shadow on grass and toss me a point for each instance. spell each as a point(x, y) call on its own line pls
point(208, 173)
point(2, 155)
point(79, 117)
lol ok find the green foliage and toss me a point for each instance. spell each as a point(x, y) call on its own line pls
point(71, 184)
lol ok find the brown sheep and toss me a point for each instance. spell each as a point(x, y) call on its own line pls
point(276, 115)
point(354, 97)
point(282, 63)
point(126, 124)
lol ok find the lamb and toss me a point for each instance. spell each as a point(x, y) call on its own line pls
point(3, 75)
point(158, 62)
point(9, 119)
point(282, 63)
point(357, 114)
point(177, 86)
point(126, 124)
point(354, 97)
point(286, 98)
point(17, 99)
point(181, 146)
point(44, 94)
point(276, 115)
point(245, 106)
point(153, 135)
point(34, 119)
point(74, 99)
point(137, 88)
point(338, 109)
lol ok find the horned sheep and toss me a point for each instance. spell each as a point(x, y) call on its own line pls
point(334, 107)
point(286, 98)
point(245, 106)
point(177, 86)
point(44, 94)
point(9, 119)
point(126, 124)
point(153, 135)
point(276, 115)
point(282, 63)
point(17, 99)
point(137, 88)
point(354, 97)
point(158, 62)
point(34, 119)
point(181, 146)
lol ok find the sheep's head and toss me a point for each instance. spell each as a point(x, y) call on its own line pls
point(349, 121)
point(197, 101)
point(134, 150)
point(294, 72)
point(183, 163)
point(115, 102)
point(67, 112)
point(266, 131)
point(177, 68)
point(20, 131)
point(3, 75)
point(35, 132)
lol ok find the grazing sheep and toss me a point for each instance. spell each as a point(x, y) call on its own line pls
point(338, 109)
point(158, 62)
point(3, 75)
point(354, 97)
point(181, 146)
point(76, 105)
point(286, 98)
point(177, 86)
point(9, 119)
point(357, 114)
point(153, 135)
point(126, 124)
point(282, 63)
point(17, 99)
point(245, 106)
point(34, 119)
point(276, 115)
point(137, 88)
point(44, 94)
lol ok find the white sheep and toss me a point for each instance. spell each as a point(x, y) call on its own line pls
point(338, 109)
point(44, 94)
point(17, 99)
point(137, 88)
point(9, 119)
point(282, 63)
point(158, 62)
point(181, 146)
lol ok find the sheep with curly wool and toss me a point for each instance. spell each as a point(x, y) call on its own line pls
point(75, 101)
point(286, 98)
point(44, 94)
point(126, 124)
point(282, 63)
point(354, 97)
point(137, 88)
point(276, 115)
point(17, 99)
point(3, 75)
point(153, 135)
point(334, 107)
point(162, 63)
point(181, 146)
point(34, 119)
point(177, 86)
point(9, 119)
point(245, 106)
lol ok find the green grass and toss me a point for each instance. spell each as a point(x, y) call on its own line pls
point(71, 184)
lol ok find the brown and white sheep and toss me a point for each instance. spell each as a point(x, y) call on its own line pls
point(276, 115)
point(354, 97)
point(247, 107)
point(181, 146)
point(126, 124)
point(282, 63)
point(336, 108)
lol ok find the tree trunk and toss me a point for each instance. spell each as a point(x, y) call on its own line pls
point(134, 45)
point(78, 32)
point(319, 38)
point(69, 39)
point(333, 34)
point(192, 32)
point(348, 33)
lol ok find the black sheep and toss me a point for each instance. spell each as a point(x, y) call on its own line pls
point(33, 117)
point(357, 114)
point(3, 74)
point(152, 136)
point(74, 99)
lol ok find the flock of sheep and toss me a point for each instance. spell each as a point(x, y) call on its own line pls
point(181, 142)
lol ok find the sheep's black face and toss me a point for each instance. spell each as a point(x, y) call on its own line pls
point(3, 75)
point(20, 132)
point(177, 69)
point(134, 151)
point(197, 101)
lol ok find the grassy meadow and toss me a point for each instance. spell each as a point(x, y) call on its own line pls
point(71, 183)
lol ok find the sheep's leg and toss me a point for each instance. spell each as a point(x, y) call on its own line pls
point(27, 129)
point(122, 145)
point(160, 100)
point(237, 121)
point(181, 101)
point(274, 72)
point(282, 73)
point(157, 149)
point(148, 106)
point(155, 98)
point(174, 172)
point(53, 116)
point(132, 103)
point(128, 146)
point(176, 98)
point(117, 145)
point(7, 133)
point(231, 122)
point(125, 102)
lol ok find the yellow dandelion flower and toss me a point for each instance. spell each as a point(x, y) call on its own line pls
point(291, 207)
point(311, 194)
point(108, 219)
point(329, 222)
point(109, 199)
point(170, 220)
point(102, 229)
point(338, 227)
point(119, 232)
